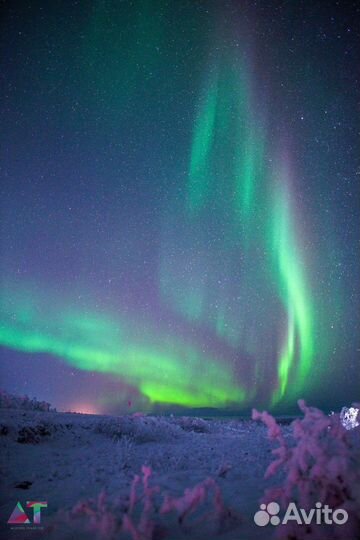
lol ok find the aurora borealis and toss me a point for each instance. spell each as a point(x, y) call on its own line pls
point(180, 204)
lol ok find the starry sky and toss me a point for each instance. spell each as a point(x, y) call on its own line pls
point(180, 204)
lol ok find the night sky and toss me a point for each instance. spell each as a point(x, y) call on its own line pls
point(180, 203)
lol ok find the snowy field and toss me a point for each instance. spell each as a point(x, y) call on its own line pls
point(64, 458)
point(84, 467)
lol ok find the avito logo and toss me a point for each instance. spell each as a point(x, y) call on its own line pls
point(319, 515)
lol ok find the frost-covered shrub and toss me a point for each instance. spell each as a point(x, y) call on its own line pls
point(106, 520)
point(32, 434)
point(192, 503)
point(141, 494)
point(9, 401)
point(124, 446)
point(102, 518)
point(188, 423)
point(95, 517)
point(321, 464)
point(146, 514)
point(141, 429)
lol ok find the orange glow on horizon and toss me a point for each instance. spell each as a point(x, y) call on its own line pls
point(84, 408)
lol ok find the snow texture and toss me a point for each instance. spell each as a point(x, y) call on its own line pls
point(140, 477)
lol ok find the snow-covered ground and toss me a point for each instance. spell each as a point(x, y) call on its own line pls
point(64, 458)
point(141, 477)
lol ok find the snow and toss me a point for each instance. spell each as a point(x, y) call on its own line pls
point(70, 457)
point(141, 477)
point(349, 417)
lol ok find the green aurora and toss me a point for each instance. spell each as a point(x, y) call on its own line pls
point(202, 283)
point(229, 180)
point(167, 371)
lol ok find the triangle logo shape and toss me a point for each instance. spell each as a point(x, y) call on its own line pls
point(18, 516)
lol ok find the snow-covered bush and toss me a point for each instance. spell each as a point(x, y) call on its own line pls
point(192, 503)
point(188, 423)
point(143, 495)
point(141, 429)
point(146, 514)
point(9, 401)
point(320, 464)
